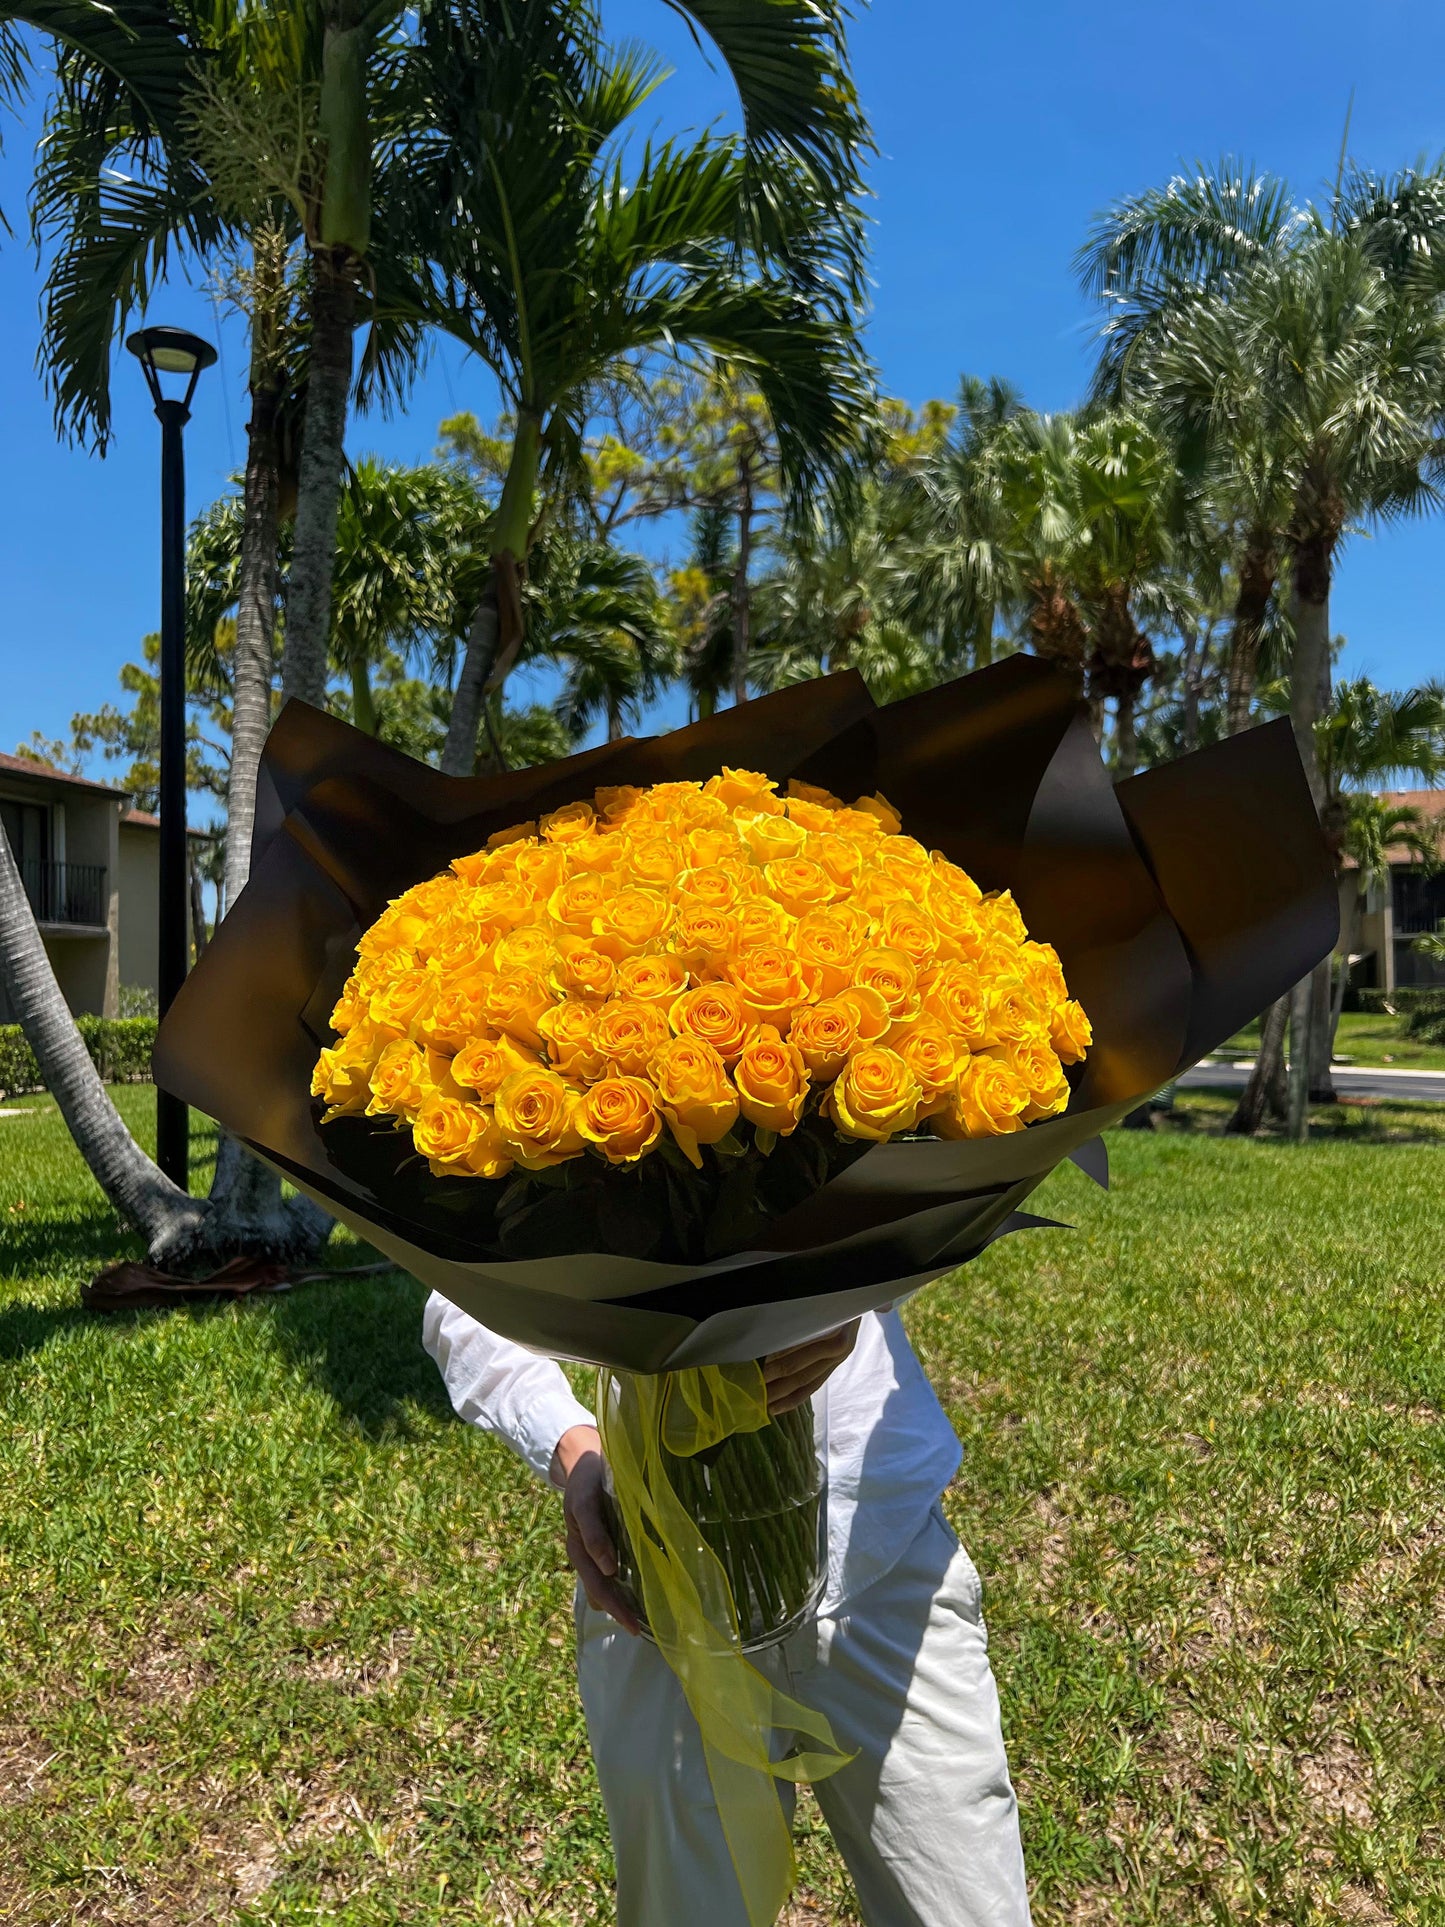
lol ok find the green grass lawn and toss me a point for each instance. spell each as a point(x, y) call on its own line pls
point(280, 1641)
point(1367, 1038)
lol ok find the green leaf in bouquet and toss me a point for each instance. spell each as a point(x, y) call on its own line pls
point(730, 1146)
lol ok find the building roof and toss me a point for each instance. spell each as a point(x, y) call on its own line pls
point(11, 766)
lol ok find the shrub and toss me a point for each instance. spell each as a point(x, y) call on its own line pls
point(138, 1000)
point(1380, 1003)
point(120, 1048)
point(1427, 1017)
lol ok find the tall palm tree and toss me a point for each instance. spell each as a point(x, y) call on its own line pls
point(562, 261)
point(1309, 351)
point(1369, 736)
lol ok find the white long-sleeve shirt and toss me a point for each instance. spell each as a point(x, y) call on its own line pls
point(891, 1450)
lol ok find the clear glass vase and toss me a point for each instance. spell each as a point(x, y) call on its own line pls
point(759, 1500)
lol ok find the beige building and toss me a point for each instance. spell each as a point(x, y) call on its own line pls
point(1410, 904)
point(91, 869)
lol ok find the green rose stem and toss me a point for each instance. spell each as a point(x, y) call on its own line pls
point(756, 1501)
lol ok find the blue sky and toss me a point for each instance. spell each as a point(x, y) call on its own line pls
point(1001, 130)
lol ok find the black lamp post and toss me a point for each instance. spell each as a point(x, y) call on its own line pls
point(171, 351)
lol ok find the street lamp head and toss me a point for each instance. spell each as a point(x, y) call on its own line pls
point(170, 351)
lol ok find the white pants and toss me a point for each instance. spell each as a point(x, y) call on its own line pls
point(925, 1816)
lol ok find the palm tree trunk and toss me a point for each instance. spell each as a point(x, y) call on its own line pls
point(1266, 1093)
point(255, 659)
point(1257, 571)
point(495, 636)
point(313, 557)
point(1308, 699)
point(459, 755)
point(167, 1218)
point(1349, 937)
point(1126, 734)
point(741, 590)
point(198, 905)
point(363, 703)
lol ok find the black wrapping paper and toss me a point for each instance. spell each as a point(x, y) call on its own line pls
point(1181, 902)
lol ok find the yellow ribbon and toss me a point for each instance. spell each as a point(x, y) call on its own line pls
point(692, 1615)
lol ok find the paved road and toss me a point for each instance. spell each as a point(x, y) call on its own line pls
point(1351, 1080)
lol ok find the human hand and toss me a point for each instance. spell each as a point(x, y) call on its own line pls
point(579, 1467)
point(792, 1376)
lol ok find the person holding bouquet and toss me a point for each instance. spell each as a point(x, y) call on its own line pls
point(896, 1657)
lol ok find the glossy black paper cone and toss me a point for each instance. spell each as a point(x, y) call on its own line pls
point(1181, 903)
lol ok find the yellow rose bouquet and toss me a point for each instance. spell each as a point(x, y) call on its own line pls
point(690, 1049)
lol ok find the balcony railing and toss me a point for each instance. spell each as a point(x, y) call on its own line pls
point(66, 892)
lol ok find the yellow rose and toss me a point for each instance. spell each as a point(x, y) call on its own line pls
point(813, 794)
point(905, 928)
point(702, 939)
point(880, 808)
point(745, 790)
point(514, 1003)
point(684, 805)
point(718, 886)
point(709, 843)
point(1002, 917)
point(1070, 1031)
point(893, 977)
point(483, 1064)
point(839, 857)
point(954, 880)
point(529, 948)
point(825, 1033)
point(1013, 1012)
point(628, 1033)
point(863, 824)
point(403, 1003)
point(577, 903)
point(540, 867)
point(456, 1010)
point(694, 1094)
point(582, 970)
point(444, 1131)
point(620, 1116)
point(501, 904)
point(535, 1114)
point(655, 860)
point(772, 1082)
point(934, 1059)
point(875, 1095)
point(617, 804)
point(399, 1081)
point(825, 944)
point(799, 884)
point(955, 995)
point(954, 916)
point(351, 1005)
point(760, 921)
point(343, 1071)
point(657, 979)
point(772, 839)
point(870, 1011)
point(514, 833)
point(988, 1100)
point(631, 921)
point(771, 983)
point(717, 1014)
point(1034, 1062)
point(569, 824)
point(1043, 973)
point(569, 1034)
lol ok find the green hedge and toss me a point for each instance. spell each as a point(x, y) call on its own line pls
point(1400, 1001)
point(120, 1047)
point(1427, 1017)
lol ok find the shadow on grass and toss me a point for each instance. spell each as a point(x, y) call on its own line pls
point(1361, 1120)
point(359, 1339)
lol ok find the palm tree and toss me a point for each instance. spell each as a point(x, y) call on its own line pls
point(559, 265)
point(1309, 355)
point(1369, 736)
